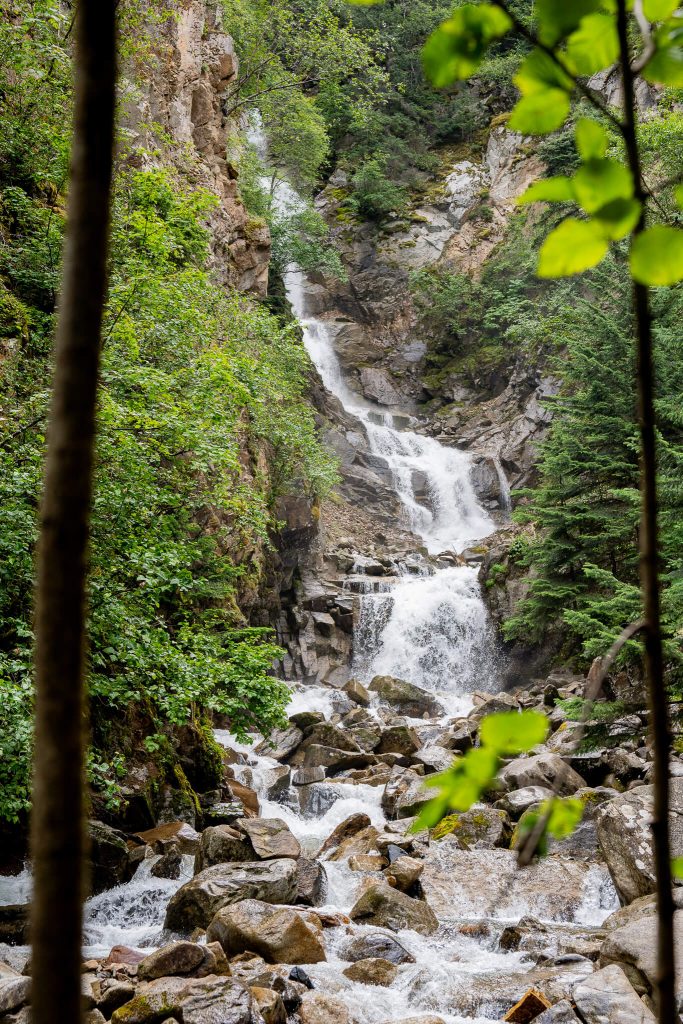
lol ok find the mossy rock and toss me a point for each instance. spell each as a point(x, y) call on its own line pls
point(480, 828)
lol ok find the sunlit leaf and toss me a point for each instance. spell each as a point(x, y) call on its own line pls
point(539, 72)
point(657, 256)
point(573, 246)
point(666, 64)
point(594, 45)
point(591, 139)
point(600, 181)
point(564, 816)
point(550, 190)
point(619, 217)
point(513, 732)
point(658, 10)
point(540, 113)
point(430, 814)
point(677, 867)
point(678, 193)
point(481, 763)
point(557, 20)
point(455, 49)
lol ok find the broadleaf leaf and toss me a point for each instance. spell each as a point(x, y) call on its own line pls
point(513, 732)
point(574, 246)
point(657, 256)
point(550, 190)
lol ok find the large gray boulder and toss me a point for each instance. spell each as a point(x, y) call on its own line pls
point(279, 934)
point(195, 903)
point(404, 794)
point(607, 997)
point(211, 1000)
point(281, 743)
point(546, 769)
point(405, 697)
point(222, 844)
point(270, 838)
point(387, 908)
point(635, 944)
point(623, 828)
point(376, 944)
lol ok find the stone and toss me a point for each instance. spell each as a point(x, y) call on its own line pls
point(110, 862)
point(547, 770)
point(635, 944)
point(247, 796)
point(179, 832)
point(279, 934)
point(373, 971)
point(323, 734)
point(112, 993)
point(357, 693)
point(434, 758)
point(318, 1008)
point(349, 827)
point(607, 997)
point(404, 794)
point(306, 776)
point(405, 697)
point(270, 1005)
point(14, 922)
point(225, 812)
point(480, 828)
point(281, 743)
point(336, 759)
point(311, 884)
point(398, 739)
point(222, 844)
point(195, 903)
point(14, 993)
point(368, 944)
point(168, 865)
point(559, 1013)
point(180, 958)
point(527, 1008)
point(388, 908)
point(270, 838)
point(276, 781)
point(519, 800)
point(404, 872)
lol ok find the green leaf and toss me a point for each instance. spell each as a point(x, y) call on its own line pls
point(539, 72)
point(430, 814)
point(659, 10)
point(594, 45)
point(657, 256)
point(564, 816)
point(666, 64)
point(557, 19)
point(598, 182)
point(540, 113)
point(512, 732)
point(677, 867)
point(455, 49)
point(550, 190)
point(573, 246)
point(480, 764)
point(619, 217)
point(678, 193)
point(591, 139)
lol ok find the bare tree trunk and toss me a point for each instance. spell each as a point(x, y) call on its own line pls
point(58, 785)
point(654, 658)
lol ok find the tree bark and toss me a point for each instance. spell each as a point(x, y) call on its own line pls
point(649, 571)
point(58, 832)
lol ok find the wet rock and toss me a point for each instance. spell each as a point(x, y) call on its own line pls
point(519, 800)
point(368, 944)
point(336, 759)
point(433, 758)
point(211, 1000)
point(492, 704)
point(110, 993)
point(14, 921)
point(14, 993)
point(388, 908)
point(404, 872)
point(270, 838)
point(404, 794)
point(311, 888)
point(276, 781)
point(281, 743)
point(367, 862)
point(607, 997)
point(182, 958)
point(226, 812)
point(269, 1004)
point(318, 1008)
point(247, 796)
point(635, 945)
point(221, 844)
point(306, 776)
point(364, 842)
point(405, 697)
point(547, 770)
point(324, 735)
point(110, 862)
point(373, 971)
point(349, 827)
point(527, 1008)
point(279, 934)
point(560, 1013)
point(168, 865)
point(357, 692)
point(480, 828)
point(399, 739)
point(196, 902)
point(460, 736)
point(180, 833)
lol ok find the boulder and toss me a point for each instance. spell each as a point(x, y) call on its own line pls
point(224, 812)
point(546, 769)
point(388, 908)
point(270, 838)
point(183, 958)
point(357, 693)
point(607, 997)
point(559, 1013)
point(623, 828)
point(281, 743)
point(110, 861)
point(335, 759)
point(373, 971)
point(433, 758)
point(279, 934)
point(168, 865)
point(527, 1008)
point(405, 697)
point(222, 844)
point(196, 902)
point(179, 833)
point(110, 993)
point(210, 1000)
point(14, 993)
point(519, 800)
point(311, 886)
point(635, 944)
point(362, 843)
point(318, 1008)
point(349, 827)
point(398, 739)
point(404, 794)
point(269, 1004)
point(404, 872)
point(369, 944)
point(480, 828)
point(324, 735)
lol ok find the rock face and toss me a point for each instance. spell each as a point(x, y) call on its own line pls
point(381, 905)
point(195, 903)
point(279, 935)
point(623, 827)
point(607, 997)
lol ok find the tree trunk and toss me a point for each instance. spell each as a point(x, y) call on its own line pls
point(58, 784)
point(654, 658)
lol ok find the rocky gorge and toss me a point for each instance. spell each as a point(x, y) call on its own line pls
point(296, 890)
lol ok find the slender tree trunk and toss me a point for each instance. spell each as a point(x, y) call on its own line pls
point(654, 658)
point(58, 785)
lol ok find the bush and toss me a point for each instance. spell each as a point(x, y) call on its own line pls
point(373, 195)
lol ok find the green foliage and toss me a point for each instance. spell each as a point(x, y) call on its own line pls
point(374, 196)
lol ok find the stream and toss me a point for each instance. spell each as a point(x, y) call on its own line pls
point(429, 627)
